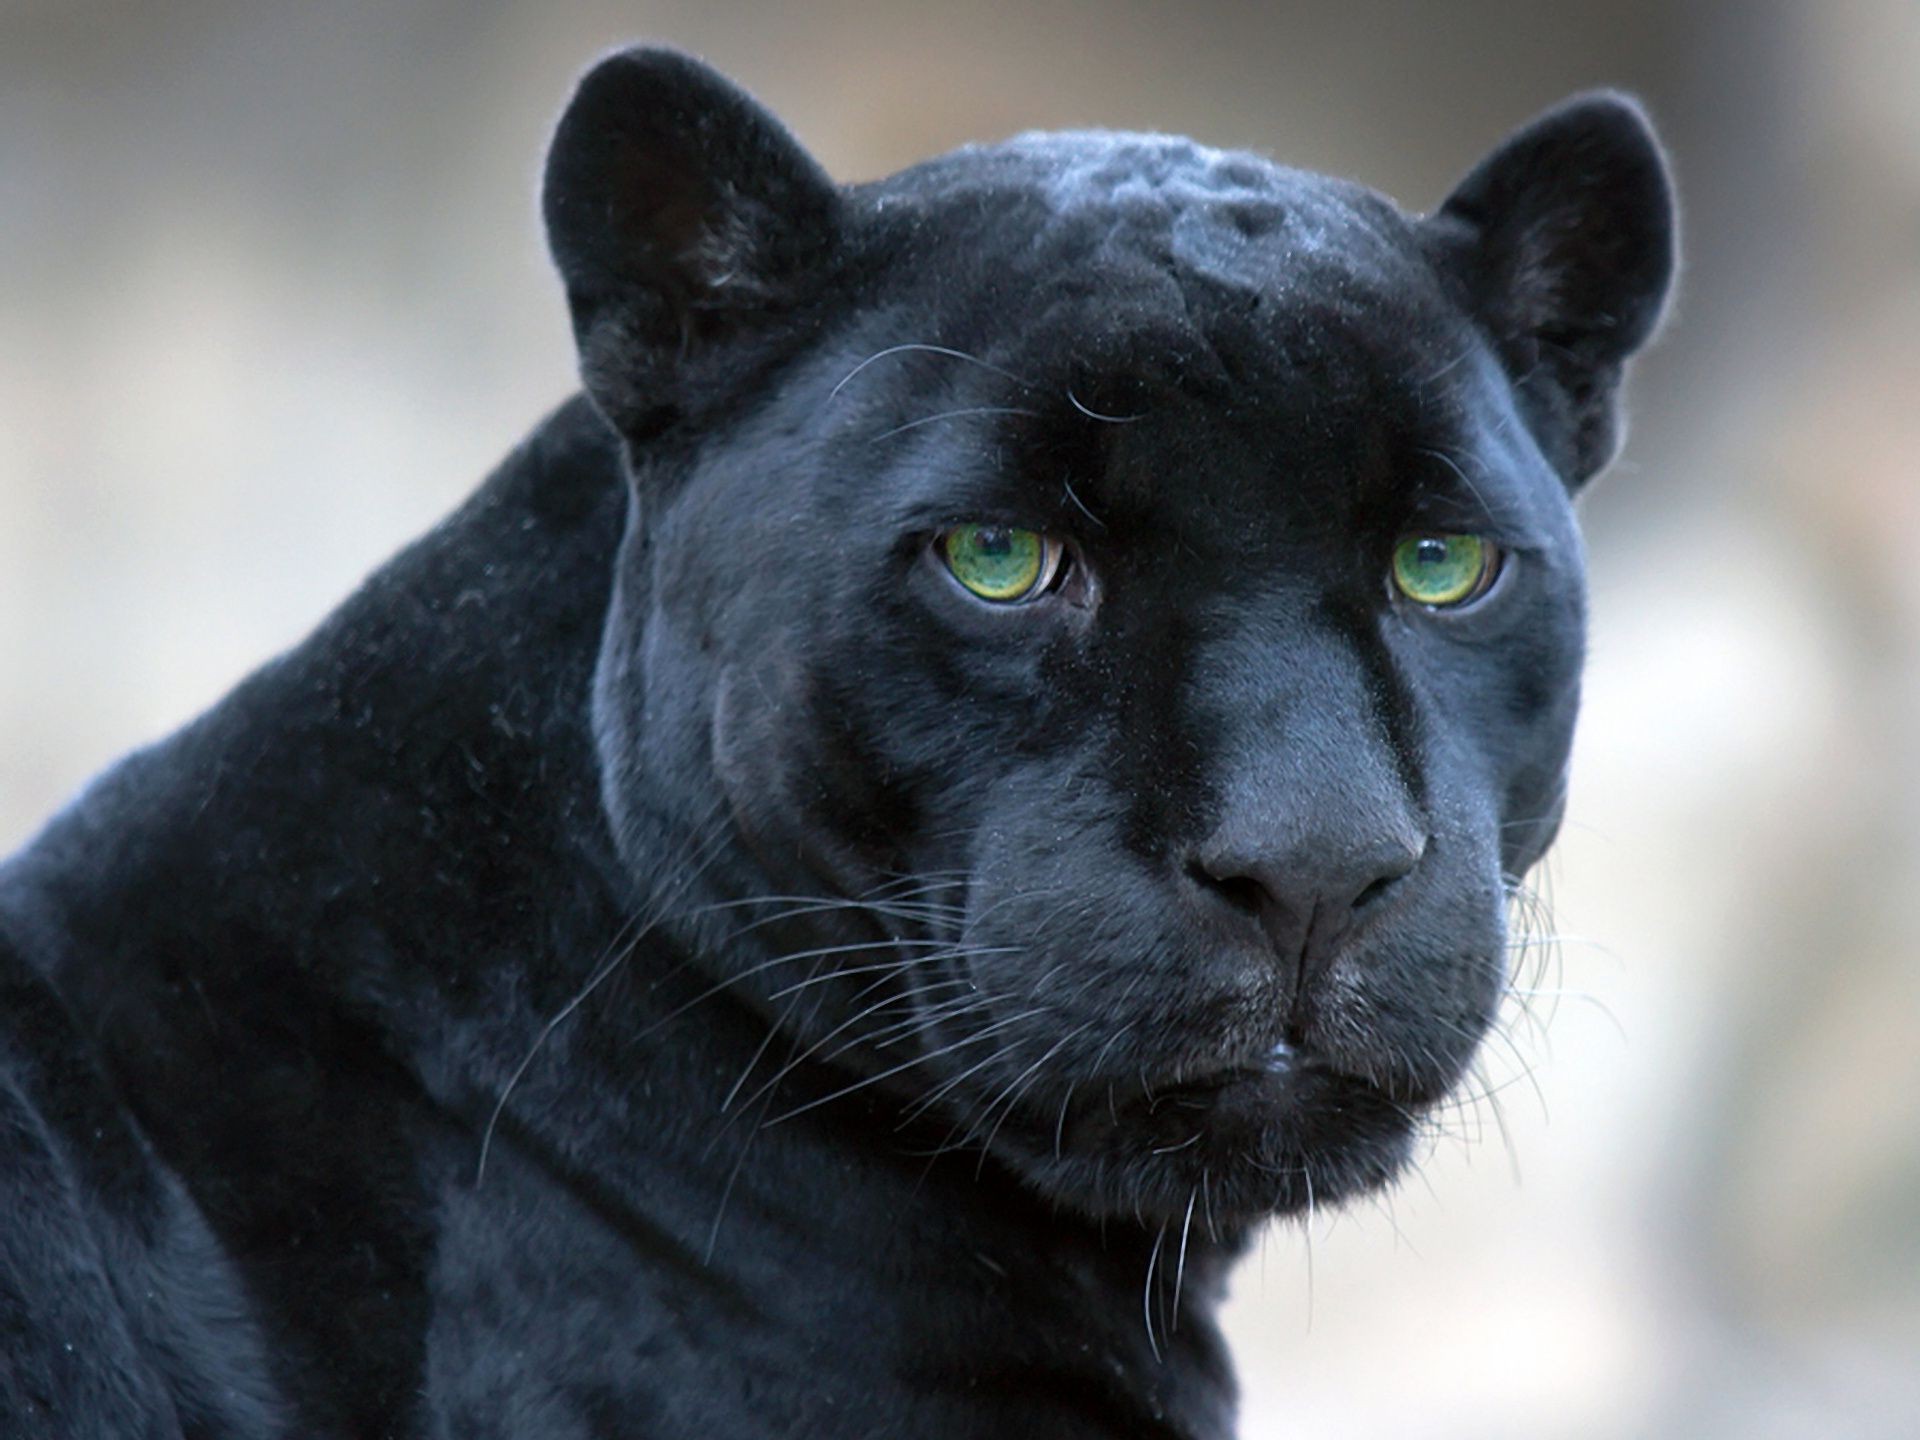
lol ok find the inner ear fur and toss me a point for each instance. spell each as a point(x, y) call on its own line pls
point(684, 221)
point(1564, 241)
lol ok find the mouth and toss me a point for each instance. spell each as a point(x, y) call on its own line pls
point(1214, 1106)
point(1273, 1138)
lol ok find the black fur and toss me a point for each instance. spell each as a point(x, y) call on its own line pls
point(664, 960)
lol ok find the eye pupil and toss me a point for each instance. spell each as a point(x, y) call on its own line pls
point(993, 541)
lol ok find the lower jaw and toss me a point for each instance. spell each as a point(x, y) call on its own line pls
point(1246, 1147)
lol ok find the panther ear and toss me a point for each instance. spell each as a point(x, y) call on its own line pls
point(1564, 240)
point(684, 220)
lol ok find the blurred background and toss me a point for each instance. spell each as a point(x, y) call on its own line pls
point(273, 297)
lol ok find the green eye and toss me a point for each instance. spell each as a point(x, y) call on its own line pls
point(1444, 570)
point(999, 563)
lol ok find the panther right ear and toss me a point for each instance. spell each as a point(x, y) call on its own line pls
point(684, 220)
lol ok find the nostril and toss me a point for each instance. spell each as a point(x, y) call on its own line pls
point(1242, 892)
point(1392, 871)
point(1378, 887)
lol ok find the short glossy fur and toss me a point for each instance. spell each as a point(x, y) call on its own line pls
point(662, 959)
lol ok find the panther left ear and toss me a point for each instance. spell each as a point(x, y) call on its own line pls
point(1564, 240)
point(684, 221)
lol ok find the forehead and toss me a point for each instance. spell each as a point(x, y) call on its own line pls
point(1243, 320)
point(1154, 259)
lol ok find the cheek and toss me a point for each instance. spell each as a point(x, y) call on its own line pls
point(848, 748)
point(798, 781)
point(745, 738)
point(1526, 769)
point(1501, 752)
point(1536, 801)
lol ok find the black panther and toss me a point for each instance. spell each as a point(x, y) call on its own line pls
point(983, 758)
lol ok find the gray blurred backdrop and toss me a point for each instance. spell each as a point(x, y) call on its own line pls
point(272, 297)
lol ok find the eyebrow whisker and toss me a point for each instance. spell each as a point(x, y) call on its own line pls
point(1096, 415)
point(956, 415)
point(914, 347)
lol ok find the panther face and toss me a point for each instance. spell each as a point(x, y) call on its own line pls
point(1144, 577)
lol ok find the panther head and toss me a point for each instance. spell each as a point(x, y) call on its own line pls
point(1143, 577)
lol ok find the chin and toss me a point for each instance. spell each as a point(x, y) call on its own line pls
point(1231, 1150)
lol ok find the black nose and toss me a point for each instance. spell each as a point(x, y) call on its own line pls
point(1307, 891)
